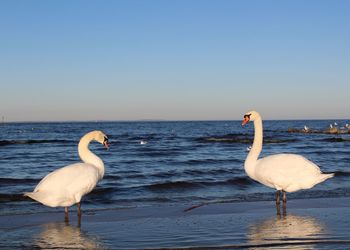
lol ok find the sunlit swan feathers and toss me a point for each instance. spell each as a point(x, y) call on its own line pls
point(284, 172)
point(66, 186)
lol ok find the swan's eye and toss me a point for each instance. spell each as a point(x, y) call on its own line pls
point(247, 116)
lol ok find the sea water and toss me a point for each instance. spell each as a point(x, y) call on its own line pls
point(152, 163)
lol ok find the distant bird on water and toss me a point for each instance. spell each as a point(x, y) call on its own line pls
point(143, 142)
point(66, 186)
point(284, 172)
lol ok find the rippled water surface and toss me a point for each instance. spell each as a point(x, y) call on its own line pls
point(181, 162)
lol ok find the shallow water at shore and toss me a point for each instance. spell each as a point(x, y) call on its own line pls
point(306, 224)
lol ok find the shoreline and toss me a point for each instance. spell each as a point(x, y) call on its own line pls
point(321, 222)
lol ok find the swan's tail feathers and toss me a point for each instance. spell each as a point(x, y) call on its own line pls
point(326, 176)
point(38, 196)
point(34, 195)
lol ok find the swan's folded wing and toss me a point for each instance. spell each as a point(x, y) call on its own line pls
point(287, 171)
point(75, 175)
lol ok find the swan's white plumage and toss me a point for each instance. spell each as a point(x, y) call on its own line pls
point(287, 172)
point(66, 186)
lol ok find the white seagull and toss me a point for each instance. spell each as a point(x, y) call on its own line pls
point(143, 142)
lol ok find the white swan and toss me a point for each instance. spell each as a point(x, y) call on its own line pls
point(66, 186)
point(284, 172)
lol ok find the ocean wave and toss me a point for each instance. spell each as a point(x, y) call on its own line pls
point(13, 142)
point(194, 162)
point(240, 139)
point(9, 181)
point(194, 173)
point(100, 195)
point(240, 182)
point(13, 197)
point(341, 174)
point(211, 172)
point(151, 152)
point(165, 174)
point(335, 139)
point(102, 190)
point(169, 185)
point(112, 177)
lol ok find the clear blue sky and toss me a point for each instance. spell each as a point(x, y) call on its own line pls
point(179, 59)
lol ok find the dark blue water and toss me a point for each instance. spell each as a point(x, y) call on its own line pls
point(183, 162)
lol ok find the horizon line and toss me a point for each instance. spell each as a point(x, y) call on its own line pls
point(164, 120)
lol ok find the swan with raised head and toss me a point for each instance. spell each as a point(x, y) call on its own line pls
point(66, 186)
point(284, 172)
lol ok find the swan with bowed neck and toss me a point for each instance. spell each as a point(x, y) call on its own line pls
point(66, 186)
point(284, 172)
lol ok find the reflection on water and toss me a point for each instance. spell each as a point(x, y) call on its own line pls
point(286, 232)
point(64, 236)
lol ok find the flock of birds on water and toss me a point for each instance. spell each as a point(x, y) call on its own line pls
point(333, 129)
point(285, 173)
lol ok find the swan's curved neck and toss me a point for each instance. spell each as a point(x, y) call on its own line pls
point(87, 156)
point(252, 158)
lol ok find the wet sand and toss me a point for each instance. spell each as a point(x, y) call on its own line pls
point(307, 224)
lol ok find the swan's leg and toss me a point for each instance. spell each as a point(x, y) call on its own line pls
point(284, 197)
point(66, 219)
point(278, 210)
point(284, 209)
point(277, 197)
point(79, 210)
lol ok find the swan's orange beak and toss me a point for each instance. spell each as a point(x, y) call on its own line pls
point(245, 120)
